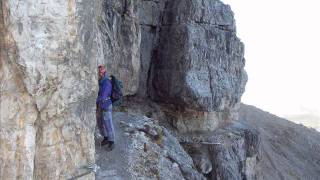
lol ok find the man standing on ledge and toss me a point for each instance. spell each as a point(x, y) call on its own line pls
point(104, 109)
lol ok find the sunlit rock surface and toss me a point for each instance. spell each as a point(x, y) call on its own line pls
point(48, 86)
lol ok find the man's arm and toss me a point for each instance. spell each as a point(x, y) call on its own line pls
point(105, 91)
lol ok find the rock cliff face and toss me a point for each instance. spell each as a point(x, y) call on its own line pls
point(199, 63)
point(48, 87)
point(200, 60)
point(182, 54)
point(120, 41)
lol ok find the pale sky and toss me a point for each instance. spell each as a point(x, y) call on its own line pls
point(282, 53)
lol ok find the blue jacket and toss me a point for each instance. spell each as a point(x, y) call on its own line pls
point(104, 95)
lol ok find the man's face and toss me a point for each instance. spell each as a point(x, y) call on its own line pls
point(102, 71)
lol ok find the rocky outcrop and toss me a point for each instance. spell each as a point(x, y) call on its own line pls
point(231, 152)
point(48, 86)
point(183, 52)
point(227, 153)
point(170, 50)
point(191, 63)
point(145, 151)
point(199, 63)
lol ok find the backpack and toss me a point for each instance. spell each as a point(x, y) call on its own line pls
point(116, 94)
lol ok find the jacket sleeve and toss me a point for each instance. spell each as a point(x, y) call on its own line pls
point(99, 97)
point(104, 92)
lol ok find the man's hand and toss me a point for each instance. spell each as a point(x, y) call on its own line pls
point(97, 110)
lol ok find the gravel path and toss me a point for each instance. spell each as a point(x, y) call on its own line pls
point(114, 164)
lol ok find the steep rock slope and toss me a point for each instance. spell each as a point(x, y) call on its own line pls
point(289, 151)
point(229, 152)
point(48, 86)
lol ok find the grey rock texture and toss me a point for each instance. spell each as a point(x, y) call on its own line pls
point(120, 41)
point(288, 150)
point(228, 153)
point(199, 62)
point(47, 88)
point(176, 47)
point(150, 14)
point(144, 150)
point(183, 52)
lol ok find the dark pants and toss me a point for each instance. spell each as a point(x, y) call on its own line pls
point(105, 124)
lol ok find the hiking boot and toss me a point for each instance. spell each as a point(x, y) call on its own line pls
point(111, 145)
point(105, 141)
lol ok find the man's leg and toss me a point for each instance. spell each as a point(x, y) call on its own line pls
point(109, 124)
point(101, 126)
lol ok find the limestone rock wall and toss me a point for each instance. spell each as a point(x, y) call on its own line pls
point(48, 86)
point(150, 15)
point(198, 64)
point(120, 41)
point(200, 59)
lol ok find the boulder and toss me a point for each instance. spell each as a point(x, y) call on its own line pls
point(199, 62)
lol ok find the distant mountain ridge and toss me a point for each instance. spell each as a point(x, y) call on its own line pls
point(289, 150)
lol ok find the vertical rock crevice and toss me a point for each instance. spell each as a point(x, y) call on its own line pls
point(120, 41)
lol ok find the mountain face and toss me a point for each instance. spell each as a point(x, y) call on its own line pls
point(182, 53)
point(288, 150)
point(185, 57)
point(182, 66)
